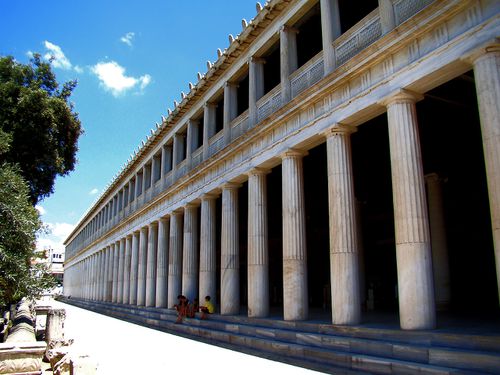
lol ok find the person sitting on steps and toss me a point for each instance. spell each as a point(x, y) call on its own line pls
point(207, 308)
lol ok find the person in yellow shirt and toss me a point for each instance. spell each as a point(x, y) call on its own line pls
point(207, 308)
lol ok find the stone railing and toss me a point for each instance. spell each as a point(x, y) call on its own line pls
point(181, 169)
point(216, 143)
point(358, 37)
point(196, 157)
point(404, 9)
point(307, 75)
point(269, 103)
point(239, 125)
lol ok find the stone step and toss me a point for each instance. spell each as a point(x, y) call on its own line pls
point(353, 351)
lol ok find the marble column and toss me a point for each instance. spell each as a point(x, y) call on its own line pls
point(175, 258)
point(121, 267)
point(439, 242)
point(162, 263)
point(151, 264)
point(134, 268)
point(344, 261)
point(330, 29)
point(387, 16)
point(288, 60)
point(255, 88)
point(116, 255)
point(103, 274)
point(111, 251)
point(208, 260)
point(230, 251)
point(191, 140)
point(411, 223)
point(486, 64)
point(258, 258)
point(142, 266)
point(98, 276)
point(126, 270)
point(190, 252)
point(230, 108)
point(295, 297)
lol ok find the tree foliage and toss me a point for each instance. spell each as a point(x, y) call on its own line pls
point(40, 123)
point(20, 275)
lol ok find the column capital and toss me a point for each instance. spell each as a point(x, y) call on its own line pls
point(210, 105)
point(339, 129)
point(230, 186)
point(231, 84)
point(258, 171)
point(209, 196)
point(293, 153)
point(491, 47)
point(257, 60)
point(164, 219)
point(401, 96)
point(288, 29)
point(153, 224)
point(192, 204)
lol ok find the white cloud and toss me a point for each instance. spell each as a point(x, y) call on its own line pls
point(127, 38)
point(78, 69)
point(58, 232)
point(114, 79)
point(40, 209)
point(59, 58)
point(94, 191)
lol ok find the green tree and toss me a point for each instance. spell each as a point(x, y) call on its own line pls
point(39, 121)
point(20, 275)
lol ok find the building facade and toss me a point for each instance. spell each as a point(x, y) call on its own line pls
point(338, 155)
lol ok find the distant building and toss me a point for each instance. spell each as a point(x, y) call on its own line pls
point(338, 154)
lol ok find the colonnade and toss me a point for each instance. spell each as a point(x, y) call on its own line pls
point(158, 261)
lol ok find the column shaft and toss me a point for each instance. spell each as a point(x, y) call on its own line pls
point(175, 259)
point(230, 257)
point(162, 264)
point(295, 298)
point(116, 254)
point(141, 272)
point(121, 267)
point(413, 250)
point(126, 270)
point(151, 264)
point(344, 272)
point(330, 28)
point(190, 253)
point(255, 88)
point(208, 260)
point(288, 56)
point(134, 268)
point(487, 78)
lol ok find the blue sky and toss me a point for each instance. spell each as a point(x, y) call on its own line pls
point(131, 59)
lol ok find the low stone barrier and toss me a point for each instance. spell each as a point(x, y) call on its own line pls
point(21, 353)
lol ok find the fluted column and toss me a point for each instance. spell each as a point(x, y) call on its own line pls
point(134, 268)
point(411, 223)
point(209, 118)
point(162, 263)
point(258, 258)
point(487, 77)
point(190, 252)
point(142, 266)
point(116, 254)
point(111, 251)
point(230, 249)
point(208, 260)
point(126, 270)
point(255, 88)
point(288, 59)
point(439, 242)
point(175, 258)
point(295, 298)
point(330, 29)
point(106, 275)
point(151, 264)
point(344, 262)
point(121, 267)
point(98, 276)
point(102, 296)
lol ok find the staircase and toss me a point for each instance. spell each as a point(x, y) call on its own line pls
point(324, 347)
